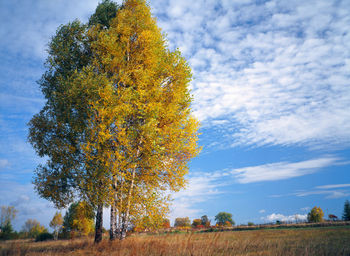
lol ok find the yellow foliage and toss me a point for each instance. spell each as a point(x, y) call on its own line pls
point(141, 134)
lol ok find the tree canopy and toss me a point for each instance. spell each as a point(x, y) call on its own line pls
point(315, 215)
point(117, 126)
point(223, 217)
point(182, 222)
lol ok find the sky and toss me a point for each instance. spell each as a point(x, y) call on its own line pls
point(271, 89)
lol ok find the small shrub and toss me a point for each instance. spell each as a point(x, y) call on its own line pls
point(43, 237)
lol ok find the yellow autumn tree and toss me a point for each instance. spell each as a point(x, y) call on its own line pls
point(56, 223)
point(140, 124)
point(117, 128)
point(315, 215)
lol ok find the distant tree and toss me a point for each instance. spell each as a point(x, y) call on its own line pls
point(182, 222)
point(222, 217)
point(56, 223)
point(32, 228)
point(250, 223)
point(79, 219)
point(8, 213)
point(196, 223)
point(332, 217)
point(346, 212)
point(205, 221)
point(7, 232)
point(315, 215)
point(278, 222)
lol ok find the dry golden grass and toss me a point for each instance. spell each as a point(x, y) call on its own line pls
point(312, 241)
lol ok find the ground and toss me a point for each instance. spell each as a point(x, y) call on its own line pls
point(305, 241)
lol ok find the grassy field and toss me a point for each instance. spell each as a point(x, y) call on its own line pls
point(311, 241)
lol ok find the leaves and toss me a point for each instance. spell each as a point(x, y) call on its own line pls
point(315, 215)
point(117, 127)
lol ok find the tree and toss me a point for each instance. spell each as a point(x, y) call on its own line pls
point(32, 228)
point(315, 215)
point(205, 221)
point(333, 217)
point(79, 219)
point(140, 125)
point(196, 223)
point(117, 126)
point(222, 217)
point(7, 232)
point(182, 222)
point(56, 223)
point(8, 213)
point(346, 212)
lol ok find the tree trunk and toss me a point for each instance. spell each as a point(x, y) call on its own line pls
point(112, 230)
point(99, 223)
point(126, 216)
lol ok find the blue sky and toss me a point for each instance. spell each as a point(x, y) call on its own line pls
point(271, 88)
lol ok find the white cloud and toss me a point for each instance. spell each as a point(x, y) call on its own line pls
point(276, 72)
point(285, 218)
point(330, 194)
point(262, 211)
point(281, 170)
point(333, 186)
point(330, 191)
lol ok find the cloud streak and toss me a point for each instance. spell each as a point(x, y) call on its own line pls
point(333, 186)
point(281, 170)
point(331, 192)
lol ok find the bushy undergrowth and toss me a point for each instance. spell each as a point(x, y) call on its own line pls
point(44, 237)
